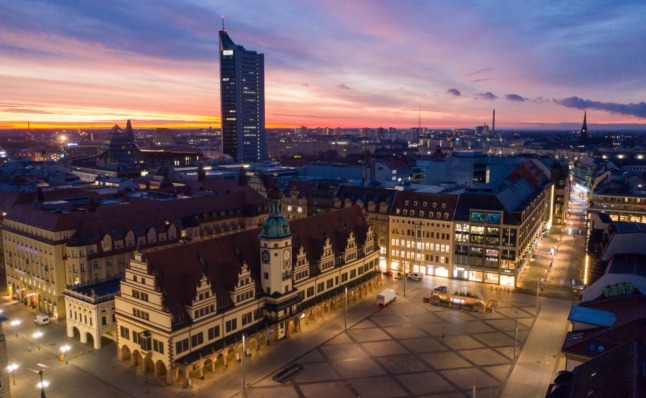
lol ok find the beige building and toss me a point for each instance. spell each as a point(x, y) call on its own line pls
point(421, 233)
point(185, 309)
point(90, 311)
point(50, 245)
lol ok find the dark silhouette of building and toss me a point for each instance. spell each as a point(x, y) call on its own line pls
point(584, 130)
point(242, 101)
point(120, 147)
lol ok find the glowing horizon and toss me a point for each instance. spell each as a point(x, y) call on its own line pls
point(327, 64)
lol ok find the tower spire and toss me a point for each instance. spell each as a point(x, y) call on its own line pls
point(222, 16)
point(584, 129)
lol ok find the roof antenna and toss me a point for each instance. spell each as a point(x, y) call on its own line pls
point(222, 16)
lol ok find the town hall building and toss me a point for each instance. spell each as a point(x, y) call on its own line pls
point(184, 309)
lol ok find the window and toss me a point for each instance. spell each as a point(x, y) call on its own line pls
point(140, 314)
point(144, 341)
point(214, 332)
point(124, 332)
point(231, 325)
point(181, 346)
point(140, 295)
point(158, 346)
point(197, 339)
point(246, 318)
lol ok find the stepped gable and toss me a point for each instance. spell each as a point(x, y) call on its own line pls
point(178, 269)
point(336, 225)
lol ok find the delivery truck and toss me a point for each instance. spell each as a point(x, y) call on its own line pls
point(386, 297)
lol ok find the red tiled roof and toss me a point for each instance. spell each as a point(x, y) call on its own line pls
point(179, 269)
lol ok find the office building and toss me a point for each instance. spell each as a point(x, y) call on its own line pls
point(242, 101)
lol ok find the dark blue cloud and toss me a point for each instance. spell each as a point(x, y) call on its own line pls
point(486, 96)
point(515, 98)
point(157, 28)
point(454, 91)
point(638, 109)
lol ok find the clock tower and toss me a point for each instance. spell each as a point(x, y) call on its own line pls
point(276, 268)
point(276, 250)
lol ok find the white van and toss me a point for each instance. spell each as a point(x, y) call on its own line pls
point(416, 276)
point(41, 319)
point(386, 297)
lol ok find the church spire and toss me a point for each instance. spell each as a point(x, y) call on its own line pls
point(584, 129)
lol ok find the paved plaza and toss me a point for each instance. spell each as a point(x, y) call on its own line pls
point(412, 349)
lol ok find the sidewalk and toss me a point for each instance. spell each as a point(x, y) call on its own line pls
point(530, 377)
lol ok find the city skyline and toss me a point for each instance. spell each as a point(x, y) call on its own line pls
point(363, 64)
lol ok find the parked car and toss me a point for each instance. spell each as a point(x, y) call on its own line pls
point(388, 273)
point(441, 289)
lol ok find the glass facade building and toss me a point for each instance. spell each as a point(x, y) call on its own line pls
point(242, 101)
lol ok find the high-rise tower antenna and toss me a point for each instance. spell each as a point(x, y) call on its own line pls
point(419, 119)
point(222, 16)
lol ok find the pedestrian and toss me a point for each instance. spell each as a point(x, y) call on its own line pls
point(442, 334)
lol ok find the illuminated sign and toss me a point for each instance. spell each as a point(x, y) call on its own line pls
point(227, 52)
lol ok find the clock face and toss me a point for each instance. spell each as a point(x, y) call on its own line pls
point(286, 254)
point(265, 256)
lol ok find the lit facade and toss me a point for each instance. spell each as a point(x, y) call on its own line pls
point(54, 244)
point(420, 234)
point(177, 322)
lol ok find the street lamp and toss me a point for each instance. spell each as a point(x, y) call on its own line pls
point(64, 349)
point(345, 309)
point(15, 323)
point(244, 370)
point(37, 335)
point(12, 368)
point(516, 336)
point(538, 287)
point(42, 384)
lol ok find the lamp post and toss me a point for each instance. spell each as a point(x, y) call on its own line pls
point(244, 370)
point(15, 323)
point(12, 368)
point(42, 384)
point(538, 288)
point(345, 308)
point(516, 336)
point(37, 335)
point(64, 349)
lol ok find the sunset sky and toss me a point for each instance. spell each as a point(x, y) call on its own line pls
point(327, 63)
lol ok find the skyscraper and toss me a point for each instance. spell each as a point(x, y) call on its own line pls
point(242, 101)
